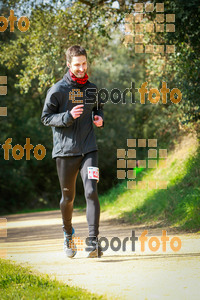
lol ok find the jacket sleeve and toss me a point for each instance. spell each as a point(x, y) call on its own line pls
point(50, 114)
point(98, 109)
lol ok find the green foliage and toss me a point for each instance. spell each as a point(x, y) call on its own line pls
point(178, 205)
point(181, 69)
point(41, 51)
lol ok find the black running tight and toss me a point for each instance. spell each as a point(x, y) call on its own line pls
point(68, 168)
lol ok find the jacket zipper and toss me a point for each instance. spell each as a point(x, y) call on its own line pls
point(80, 135)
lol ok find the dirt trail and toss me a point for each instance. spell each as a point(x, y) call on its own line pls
point(36, 240)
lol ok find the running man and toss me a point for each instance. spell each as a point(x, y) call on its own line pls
point(74, 144)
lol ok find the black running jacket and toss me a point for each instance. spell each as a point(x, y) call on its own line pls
point(71, 136)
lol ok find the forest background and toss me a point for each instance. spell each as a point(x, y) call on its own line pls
point(34, 60)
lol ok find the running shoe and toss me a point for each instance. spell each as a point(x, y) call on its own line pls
point(70, 248)
point(94, 248)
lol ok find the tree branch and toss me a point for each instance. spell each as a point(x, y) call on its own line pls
point(86, 2)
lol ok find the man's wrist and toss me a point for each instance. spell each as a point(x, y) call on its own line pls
point(68, 118)
point(71, 114)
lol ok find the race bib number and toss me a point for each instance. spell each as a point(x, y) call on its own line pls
point(93, 173)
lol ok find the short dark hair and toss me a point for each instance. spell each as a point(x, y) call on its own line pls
point(75, 50)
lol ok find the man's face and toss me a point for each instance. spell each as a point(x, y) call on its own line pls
point(78, 66)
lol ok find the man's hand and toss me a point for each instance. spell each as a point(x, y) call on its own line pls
point(98, 121)
point(77, 111)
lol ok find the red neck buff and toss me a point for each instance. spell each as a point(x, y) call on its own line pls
point(79, 80)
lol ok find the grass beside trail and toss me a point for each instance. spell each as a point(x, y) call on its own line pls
point(18, 282)
point(178, 205)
